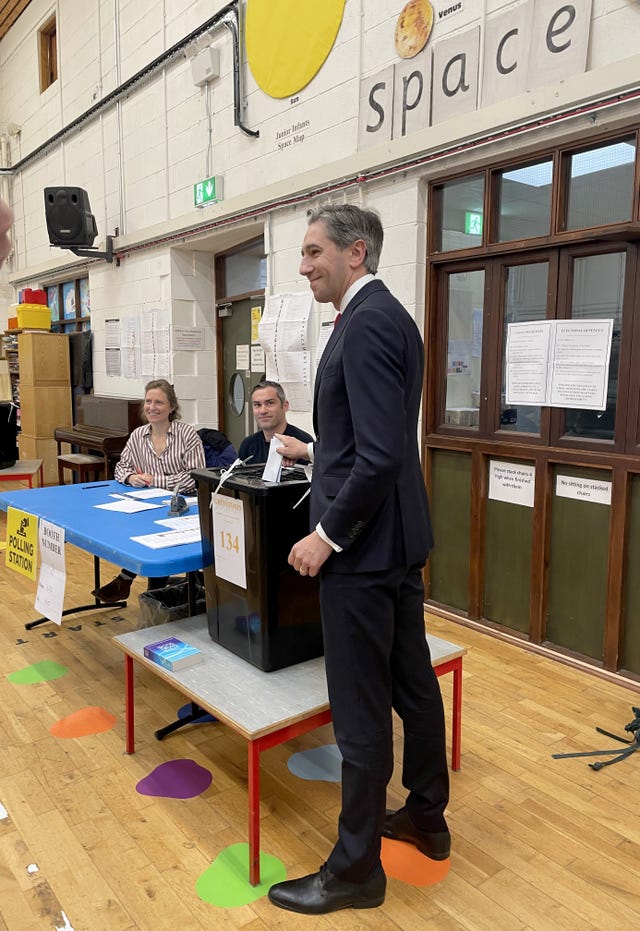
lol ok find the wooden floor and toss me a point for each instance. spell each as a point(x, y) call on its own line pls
point(537, 843)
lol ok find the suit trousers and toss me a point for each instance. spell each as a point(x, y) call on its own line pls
point(377, 658)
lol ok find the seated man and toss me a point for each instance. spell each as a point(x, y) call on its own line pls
point(270, 408)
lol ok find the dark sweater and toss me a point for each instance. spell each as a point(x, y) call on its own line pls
point(257, 447)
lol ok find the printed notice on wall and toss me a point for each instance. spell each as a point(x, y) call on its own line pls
point(283, 333)
point(583, 489)
point(53, 574)
point(187, 338)
point(513, 482)
point(559, 363)
point(228, 539)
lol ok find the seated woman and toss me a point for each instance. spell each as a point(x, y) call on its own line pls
point(160, 454)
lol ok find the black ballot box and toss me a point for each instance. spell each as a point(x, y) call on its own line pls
point(274, 621)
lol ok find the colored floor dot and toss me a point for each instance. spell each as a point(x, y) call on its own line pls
point(37, 672)
point(226, 882)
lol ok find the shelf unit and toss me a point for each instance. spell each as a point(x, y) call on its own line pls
point(43, 384)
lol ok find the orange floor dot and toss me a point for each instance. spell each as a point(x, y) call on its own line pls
point(82, 723)
point(402, 861)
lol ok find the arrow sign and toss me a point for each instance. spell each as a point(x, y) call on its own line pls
point(208, 191)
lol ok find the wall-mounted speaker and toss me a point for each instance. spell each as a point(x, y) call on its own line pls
point(69, 218)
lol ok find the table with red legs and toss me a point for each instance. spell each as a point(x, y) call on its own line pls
point(266, 708)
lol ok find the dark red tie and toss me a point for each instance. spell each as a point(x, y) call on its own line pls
point(337, 320)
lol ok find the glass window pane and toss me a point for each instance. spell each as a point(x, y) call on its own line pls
point(245, 271)
point(462, 213)
point(598, 284)
point(464, 348)
point(525, 201)
point(601, 185)
point(525, 300)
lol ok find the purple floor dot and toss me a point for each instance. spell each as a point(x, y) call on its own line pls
point(176, 779)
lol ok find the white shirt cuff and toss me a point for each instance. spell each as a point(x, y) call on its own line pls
point(323, 536)
point(310, 451)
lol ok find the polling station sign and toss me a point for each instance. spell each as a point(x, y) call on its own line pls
point(22, 542)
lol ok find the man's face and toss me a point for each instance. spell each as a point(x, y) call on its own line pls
point(268, 409)
point(329, 269)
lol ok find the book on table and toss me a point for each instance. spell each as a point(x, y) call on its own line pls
point(173, 654)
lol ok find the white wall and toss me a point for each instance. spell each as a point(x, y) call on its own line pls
point(140, 159)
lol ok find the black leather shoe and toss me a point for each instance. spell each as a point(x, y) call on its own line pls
point(399, 826)
point(116, 590)
point(323, 892)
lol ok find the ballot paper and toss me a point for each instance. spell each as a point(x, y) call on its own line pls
point(143, 493)
point(273, 467)
point(128, 506)
point(189, 522)
point(162, 540)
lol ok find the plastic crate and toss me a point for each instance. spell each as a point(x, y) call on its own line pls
point(33, 316)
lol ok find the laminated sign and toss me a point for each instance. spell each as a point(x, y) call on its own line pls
point(22, 540)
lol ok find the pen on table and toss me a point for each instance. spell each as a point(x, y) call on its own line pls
point(104, 485)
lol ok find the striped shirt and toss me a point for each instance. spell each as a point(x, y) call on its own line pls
point(171, 470)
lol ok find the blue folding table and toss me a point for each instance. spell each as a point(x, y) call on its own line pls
point(107, 534)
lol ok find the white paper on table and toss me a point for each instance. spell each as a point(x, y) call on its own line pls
point(143, 493)
point(128, 506)
point(188, 522)
point(164, 539)
point(273, 468)
point(53, 575)
point(228, 539)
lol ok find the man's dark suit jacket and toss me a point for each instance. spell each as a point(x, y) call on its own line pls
point(368, 491)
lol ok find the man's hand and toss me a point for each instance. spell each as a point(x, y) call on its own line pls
point(309, 554)
point(291, 449)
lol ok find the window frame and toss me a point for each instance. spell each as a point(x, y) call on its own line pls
point(48, 53)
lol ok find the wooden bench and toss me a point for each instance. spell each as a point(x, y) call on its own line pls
point(266, 708)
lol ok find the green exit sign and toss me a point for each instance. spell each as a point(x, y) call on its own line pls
point(473, 223)
point(208, 191)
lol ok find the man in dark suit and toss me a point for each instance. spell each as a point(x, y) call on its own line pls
point(371, 538)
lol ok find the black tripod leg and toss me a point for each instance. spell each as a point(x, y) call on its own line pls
point(567, 756)
point(614, 736)
point(622, 755)
point(192, 718)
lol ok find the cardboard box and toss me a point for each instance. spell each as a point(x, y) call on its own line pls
point(44, 409)
point(44, 359)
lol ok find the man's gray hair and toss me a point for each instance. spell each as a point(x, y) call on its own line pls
point(265, 383)
point(345, 223)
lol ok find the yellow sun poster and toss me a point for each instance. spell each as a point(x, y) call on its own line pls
point(288, 41)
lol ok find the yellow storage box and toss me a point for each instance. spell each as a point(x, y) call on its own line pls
point(33, 316)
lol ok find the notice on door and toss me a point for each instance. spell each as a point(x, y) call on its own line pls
point(583, 489)
point(513, 482)
point(228, 539)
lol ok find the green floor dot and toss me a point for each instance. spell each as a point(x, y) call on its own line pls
point(226, 882)
point(38, 672)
